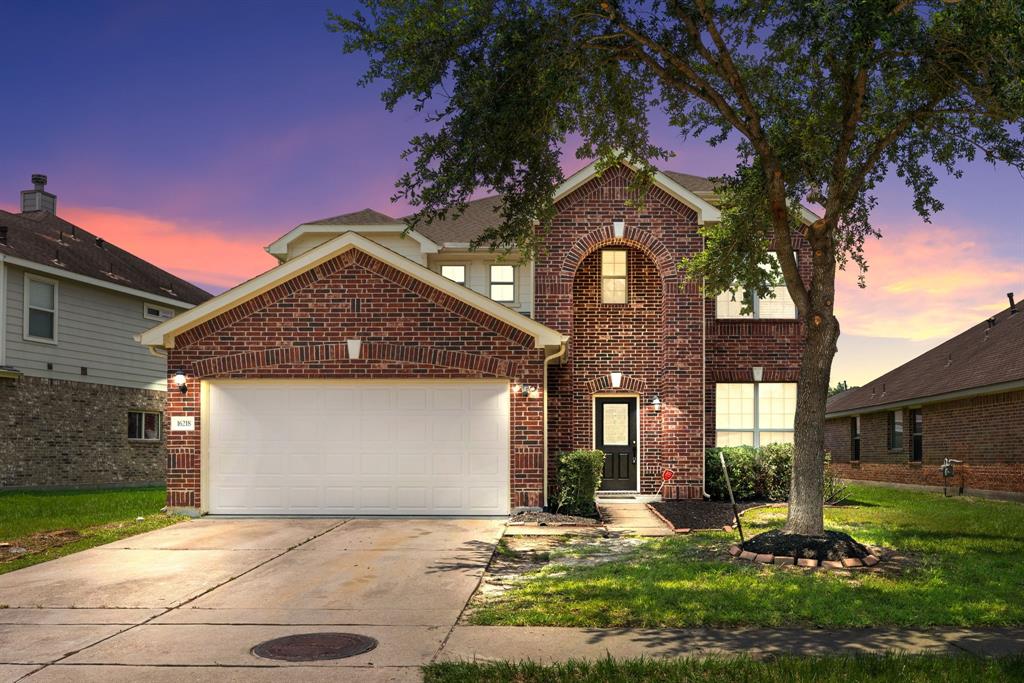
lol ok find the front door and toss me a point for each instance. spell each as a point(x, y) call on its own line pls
point(615, 426)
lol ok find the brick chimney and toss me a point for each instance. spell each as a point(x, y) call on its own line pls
point(38, 199)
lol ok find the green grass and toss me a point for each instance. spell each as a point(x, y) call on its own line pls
point(99, 515)
point(963, 569)
point(888, 669)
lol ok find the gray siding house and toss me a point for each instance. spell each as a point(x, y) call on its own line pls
point(81, 402)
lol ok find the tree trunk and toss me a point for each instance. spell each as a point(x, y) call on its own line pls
point(806, 508)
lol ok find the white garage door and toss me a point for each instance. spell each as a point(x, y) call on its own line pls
point(320, 447)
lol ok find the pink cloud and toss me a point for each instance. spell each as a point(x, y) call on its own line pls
point(927, 281)
point(195, 252)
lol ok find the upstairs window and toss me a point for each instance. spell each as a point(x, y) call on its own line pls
point(503, 283)
point(613, 276)
point(154, 312)
point(729, 305)
point(896, 430)
point(40, 309)
point(455, 273)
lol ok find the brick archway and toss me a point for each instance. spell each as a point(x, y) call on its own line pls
point(629, 385)
point(605, 237)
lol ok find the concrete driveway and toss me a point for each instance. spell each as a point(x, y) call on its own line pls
point(190, 600)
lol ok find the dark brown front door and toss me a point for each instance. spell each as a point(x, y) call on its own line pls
point(615, 434)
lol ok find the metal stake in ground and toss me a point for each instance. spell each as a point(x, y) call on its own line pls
point(735, 510)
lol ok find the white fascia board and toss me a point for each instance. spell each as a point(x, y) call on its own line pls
point(164, 334)
point(95, 282)
point(706, 213)
point(1000, 388)
point(279, 247)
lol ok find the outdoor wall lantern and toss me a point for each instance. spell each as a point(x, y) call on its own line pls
point(616, 379)
point(525, 390)
point(656, 403)
point(758, 373)
point(181, 381)
point(354, 347)
point(619, 229)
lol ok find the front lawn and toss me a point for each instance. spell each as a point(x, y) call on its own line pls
point(961, 567)
point(888, 669)
point(50, 524)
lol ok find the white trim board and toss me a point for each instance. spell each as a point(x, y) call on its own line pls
point(279, 247)
point(1000, 388)
point(164, 334)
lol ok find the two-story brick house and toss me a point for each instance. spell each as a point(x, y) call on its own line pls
point(377, 373)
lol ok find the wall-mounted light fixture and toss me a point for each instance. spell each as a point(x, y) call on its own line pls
point(525, 390)
point(619, 229)
point(656, 403)
point(180, 381)
point(616, 379)
point(758, 373)
point(354, 347)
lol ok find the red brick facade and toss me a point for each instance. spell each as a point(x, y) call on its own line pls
point(985, 432)
point(409, 330)
point(665, 341)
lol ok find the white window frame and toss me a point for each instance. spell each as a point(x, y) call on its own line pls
point(159, 426)
point(756, 429)
point(163, 309)
point(624, 277)
point(465, 272)
point(755, 313)
point(491, 282)
point(26, 295)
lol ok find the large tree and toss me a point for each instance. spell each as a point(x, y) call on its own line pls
point(821, 98)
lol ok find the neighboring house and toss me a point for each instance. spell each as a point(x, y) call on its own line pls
point(81, 402)
point(376, 373)
point(963, 400)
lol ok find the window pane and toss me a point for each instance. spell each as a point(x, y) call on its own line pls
point(613, 290)
point(776, 406)
point(734, 406)
point(734, 438)
point(781, 306)
point(503, 292)
point(613, 263)
point(615, 424)
point(455, 273)
point(728, 305)
point(134, 425)
point(40, 324)
point(503, 273)
point(776, 437)
point(152, 430)
point(40, 294)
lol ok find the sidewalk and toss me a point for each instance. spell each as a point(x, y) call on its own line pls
point(632, 518)
point(553, 644)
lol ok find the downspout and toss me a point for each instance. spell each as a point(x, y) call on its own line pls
point(704, 386)
point(3, 312)
point(562, 348)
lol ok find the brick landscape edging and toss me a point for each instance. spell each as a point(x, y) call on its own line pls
point(785, 560)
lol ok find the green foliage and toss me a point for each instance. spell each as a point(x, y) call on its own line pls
point(579, 477)
point(761, 474)
point(961, 568)
point(889, 668)
point(840, 387)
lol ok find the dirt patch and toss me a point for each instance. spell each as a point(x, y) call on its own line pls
point(698, 515)
point(551, 519)
point(37, 543)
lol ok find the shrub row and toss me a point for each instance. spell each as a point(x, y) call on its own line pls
point(760, 474)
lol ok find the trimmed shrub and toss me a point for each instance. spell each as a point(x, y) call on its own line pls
point(761, 474)
point(579, 477)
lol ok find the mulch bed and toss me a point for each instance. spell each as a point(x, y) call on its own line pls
point(834, 545)
point(551, 519)
point(698, 514)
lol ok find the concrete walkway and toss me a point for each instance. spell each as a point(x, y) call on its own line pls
point(552, 644)
point(632, 518)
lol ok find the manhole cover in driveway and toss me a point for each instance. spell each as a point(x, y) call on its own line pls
point(311, 647)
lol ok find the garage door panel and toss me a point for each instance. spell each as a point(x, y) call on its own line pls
point(321, 447)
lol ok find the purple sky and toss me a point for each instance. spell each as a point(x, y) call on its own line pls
point(194, 133)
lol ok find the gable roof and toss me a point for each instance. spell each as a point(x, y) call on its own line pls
point(481, 214)
point(43, 239)
point(981, 358)
point(164, 334)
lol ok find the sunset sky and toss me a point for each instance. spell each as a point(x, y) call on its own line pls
point(195, 133)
